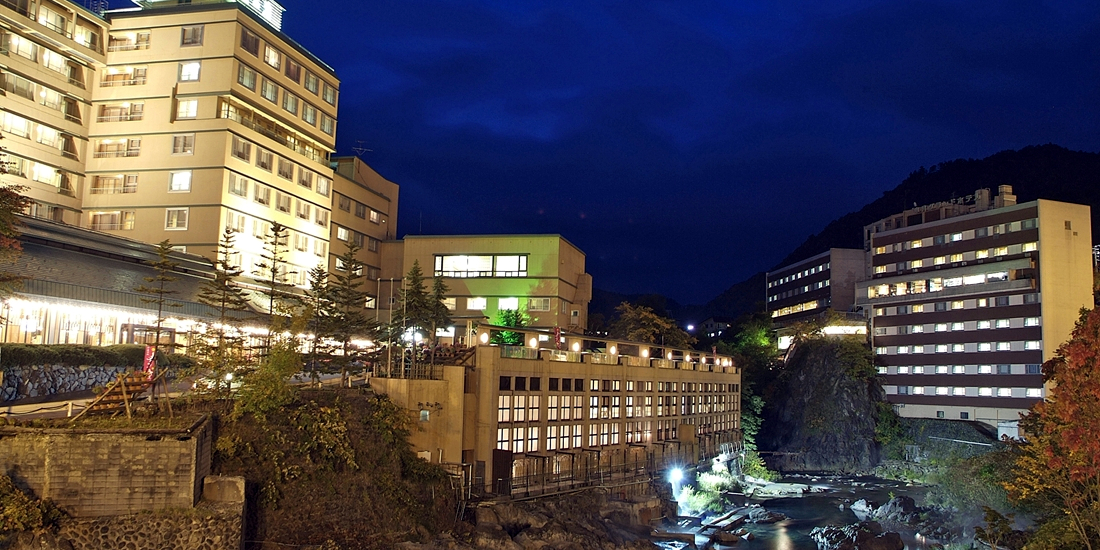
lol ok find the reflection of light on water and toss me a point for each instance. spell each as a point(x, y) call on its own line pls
point(783, 538)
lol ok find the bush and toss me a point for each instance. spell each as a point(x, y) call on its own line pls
point(18, 355)
point(20, 512)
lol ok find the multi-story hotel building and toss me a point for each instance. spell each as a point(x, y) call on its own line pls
point(968, 298)
point(535, 419)
point(364, 212)
point(206, 117)
point(810, 287)
point(541, 276)
point(49, 52)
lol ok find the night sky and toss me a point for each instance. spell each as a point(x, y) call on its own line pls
point(686, 145)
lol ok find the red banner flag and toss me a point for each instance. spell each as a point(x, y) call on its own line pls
point(150, 363)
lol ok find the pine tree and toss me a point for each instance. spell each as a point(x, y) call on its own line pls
point(349, 301)
point(272, 272)
point(413, 312)
point(440, 315)
point(317, 309)
point(158, 286)
point(222, 348)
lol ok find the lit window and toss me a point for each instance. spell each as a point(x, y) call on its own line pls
point(941, 327)
point(939, 260)
point(328, 125)
point(980, 254)
point(1035, 392)
point(323, 185)
point(508, 303)
point(321, 218)
point(269, 91)
point(189, 71)
point(176, 218)
point(330, 94)
point(916, 263)
point(309, 114)
point(238, 185)
point(985, 369)
point(290, 103)
point(918, 390)
point(918, 349)
point(941, 369)
point(956, 326)
point(1002, 323)
point(272, 56)
point(1031, 321)
point(880, 269)
point(958, 391)
point(1004, 392)
point(311, 82)
point(476, 303)
point(941, 348)
point(985, 392)
point(1031, 247)
point(940, 390)
point(958, 348)
point(903, 370)
point(1000, 251)
point(956, 237)
point(187, 108)
point(246, 77)
point(343, 233)
point(956, 257)
point(915, 244)
point(957, 304)
point(179, 182)
point(958, 369)
point(918, 370)
point(1032, 345)
point(985, 346)
point(1004, 346)
point(984, 324)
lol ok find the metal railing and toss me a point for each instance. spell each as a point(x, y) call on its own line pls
point(603, 359)
point(122, 153)
point(128, 46)
point(121, 82)
point(518, 352)
point(565, 356)
point(271, 131)
point(119, 118)
point(55, 28)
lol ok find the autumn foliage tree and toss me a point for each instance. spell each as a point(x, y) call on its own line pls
point(641, 324)
point(1058, 466)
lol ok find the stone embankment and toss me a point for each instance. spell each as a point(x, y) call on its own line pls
point(21, 382)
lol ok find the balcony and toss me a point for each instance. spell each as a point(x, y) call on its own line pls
point(124, 117)
point(59, 29)
point(283, 136)
point(518, 352)
point(127, 46)
point(112, 82)
point(22, 7)
point(119, 153)
point(564, 356)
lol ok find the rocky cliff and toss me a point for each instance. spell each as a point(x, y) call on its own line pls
point(821, 410)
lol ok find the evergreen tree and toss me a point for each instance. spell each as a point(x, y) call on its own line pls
point(348, 303)
point(508, 318)
point(157, 289)
point(413, 313)
point(272, 272)
point(222, 349)
point(317, 309)
point(440, 316)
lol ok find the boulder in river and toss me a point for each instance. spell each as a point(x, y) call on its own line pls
point(865, 535)
point(757, 514)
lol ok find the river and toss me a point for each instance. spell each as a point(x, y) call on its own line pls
point(819, 509)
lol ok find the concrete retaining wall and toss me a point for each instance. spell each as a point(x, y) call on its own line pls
point(109, 472)
point(39, 380)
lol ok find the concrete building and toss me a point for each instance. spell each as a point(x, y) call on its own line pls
point(968, 298)
point(552, 416)
point(809, 287)
point(49, 54)
point(207, 116)
point(364, 212)
point(542, 276)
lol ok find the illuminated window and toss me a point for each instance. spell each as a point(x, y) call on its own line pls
point(1031, 247)
point(1004, 346)
point(983, 253)
point(985, 346)
point(1000, 251)
point(269, 91)
point(956, 257)
point(958, 369)
point(880, 269)
point(916, 263)
point(939, 260)
point(985, 392)
point(957, 304)
point(1035, 392)
point(508, 303)
point(958, 391)
point(179, 182)
point(1031, 321)
point(476, 303)
point(940, 390)
point(187, 108)
point(1004, 392)
point(189, 71)
point(985, 369)
point(311, 82)
point(916, 244)
point(1032, 345)
point(956, 237)
point(272, 56)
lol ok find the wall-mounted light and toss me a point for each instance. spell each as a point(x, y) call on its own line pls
point(670, 356)
point(576, 346)
point(484, 337)
point(613, 350)
point(645, 353)
point(534, 343)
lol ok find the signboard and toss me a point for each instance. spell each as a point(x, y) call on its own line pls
point(149, 365)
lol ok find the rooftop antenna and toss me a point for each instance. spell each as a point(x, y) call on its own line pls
point(361, 147)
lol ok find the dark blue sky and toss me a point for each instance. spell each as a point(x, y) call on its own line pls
point(686, 145)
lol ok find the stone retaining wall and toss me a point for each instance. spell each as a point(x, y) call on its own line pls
point(40, 380)
point(109, 472)
point(208, 527)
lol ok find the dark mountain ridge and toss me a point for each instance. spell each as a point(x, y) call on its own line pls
point(1034, 172)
